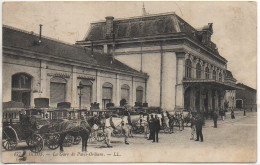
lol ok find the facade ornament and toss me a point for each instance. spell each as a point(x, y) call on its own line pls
point(86, 77)
point(62, 75)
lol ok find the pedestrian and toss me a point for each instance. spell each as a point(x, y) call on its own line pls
point(244, 112)
point(199, 124)
point(156, 129)
point(193, 127)
point(125, 128)
point(232, 114)
point(215, 119)
point(109, 126)
point(151, 127)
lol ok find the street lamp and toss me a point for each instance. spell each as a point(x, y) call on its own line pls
point(80, 87)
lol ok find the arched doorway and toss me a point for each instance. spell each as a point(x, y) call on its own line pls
point(213, 100)
point(125, 92)
point(139, 94)
point(206, 101)
point(21, 88)
point(197, 101)
point(86, 93)
point(107, 93)
point(187, 99)
point(57, 90)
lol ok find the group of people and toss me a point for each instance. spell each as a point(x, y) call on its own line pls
point(196, 126)
point(154, 128)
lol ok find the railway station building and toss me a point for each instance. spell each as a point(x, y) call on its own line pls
point(39, 67)
point(184, 66)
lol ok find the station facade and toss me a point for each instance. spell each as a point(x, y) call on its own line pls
point(40, 67)
point(184, 66)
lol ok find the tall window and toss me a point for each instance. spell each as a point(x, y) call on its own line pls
point(107, 93)
point(21, 88)
point(57, 91)
point(86, 93)
point(139, 94)
point(207, 73)
point(214, 75)
point(220, 77)
point(188, 68)
point(125, 92)
point(198, 70)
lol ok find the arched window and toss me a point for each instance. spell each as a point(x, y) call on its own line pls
point(220, 76)
point(21, 88)
point(188, 68)
point(198, 70)
point(207, 73)
point(214, 75)
point(125, 92)
point(107, 94)
point(57, 90)
point(86, 92)
point(139, 94)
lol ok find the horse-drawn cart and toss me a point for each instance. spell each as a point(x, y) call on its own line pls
point(17, 127)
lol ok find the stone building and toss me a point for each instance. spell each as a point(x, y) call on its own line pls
point(40, 67)
point(246, 98)
point(184, 66)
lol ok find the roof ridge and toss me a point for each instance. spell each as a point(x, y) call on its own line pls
point(45, 37)
point(136, 17)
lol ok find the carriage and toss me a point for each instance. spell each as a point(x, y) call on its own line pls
point(20, 127)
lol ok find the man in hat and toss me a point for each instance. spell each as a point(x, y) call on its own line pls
point(199, 123)
point(156, 128)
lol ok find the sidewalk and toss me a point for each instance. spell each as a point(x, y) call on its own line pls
point(238, 115)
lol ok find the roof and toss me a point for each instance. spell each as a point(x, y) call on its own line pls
point(229, 74)
point(246, 87)
point(17, 38)
point(149, 25)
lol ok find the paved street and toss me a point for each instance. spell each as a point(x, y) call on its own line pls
point(233, 141)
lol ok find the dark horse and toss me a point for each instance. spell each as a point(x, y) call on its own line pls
point(79, 128)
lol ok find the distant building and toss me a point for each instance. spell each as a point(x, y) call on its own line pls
point(40, 67)
point(246, 98)
point(230, 95)
point(184, 66)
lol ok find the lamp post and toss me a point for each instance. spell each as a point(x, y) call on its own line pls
point(80, 87)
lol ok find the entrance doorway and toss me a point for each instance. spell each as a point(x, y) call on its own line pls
point(187, 99)
point(21, 88)
point(239, 103)
point(197, 101)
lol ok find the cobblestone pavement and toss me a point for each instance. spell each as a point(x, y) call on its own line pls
point(233, 141)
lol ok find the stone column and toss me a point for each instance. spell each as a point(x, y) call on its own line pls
point(118, 91)
point(133, 92)
point(98, 89)
point(74, 89)
point(180, 73)
point(43, 81)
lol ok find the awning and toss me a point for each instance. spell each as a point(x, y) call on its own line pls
point(215, 83)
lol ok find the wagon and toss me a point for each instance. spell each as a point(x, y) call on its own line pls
point(19, 127)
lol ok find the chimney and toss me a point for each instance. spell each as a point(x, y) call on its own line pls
point(40, 37)
point(109, 26)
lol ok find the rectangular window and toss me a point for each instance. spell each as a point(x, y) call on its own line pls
point(139, 96)
point(125, 94)
point(57, 93)
point(86, 95)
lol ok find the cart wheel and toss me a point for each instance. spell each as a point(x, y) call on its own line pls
point(100, 136)
point(52, 141)
point(77, 140)
point(141, 129)
point(35, 143)
point(91, 138)
point(68, 141)
point(9, 144)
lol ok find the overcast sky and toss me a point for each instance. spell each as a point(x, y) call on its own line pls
point(234, 24)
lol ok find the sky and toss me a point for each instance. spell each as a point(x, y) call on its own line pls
point(234, 24)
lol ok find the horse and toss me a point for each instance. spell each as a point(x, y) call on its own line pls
point(82, 129)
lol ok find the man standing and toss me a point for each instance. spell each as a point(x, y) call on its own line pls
point(151, 127)
point(199, 124)
point(215, 119)
point(156, 128)
point(193, 127)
